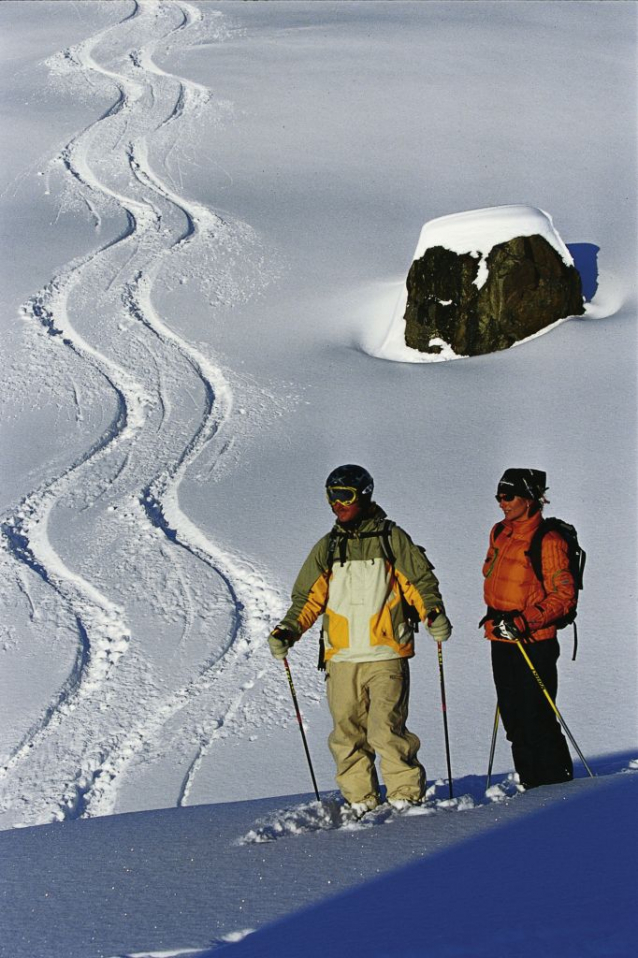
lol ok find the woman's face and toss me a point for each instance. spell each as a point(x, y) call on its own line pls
point(516, 509)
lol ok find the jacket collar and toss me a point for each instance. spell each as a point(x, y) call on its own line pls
point(525, 528)
point(369, 521)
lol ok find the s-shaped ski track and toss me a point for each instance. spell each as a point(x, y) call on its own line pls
point(169, 625)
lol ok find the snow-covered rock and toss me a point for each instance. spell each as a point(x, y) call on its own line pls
point(486, 279)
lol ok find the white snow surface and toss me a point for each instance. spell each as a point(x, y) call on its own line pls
point(207, 209)
point(477, 231)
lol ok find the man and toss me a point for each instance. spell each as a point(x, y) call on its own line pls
point(522, 608)
point(371, 583)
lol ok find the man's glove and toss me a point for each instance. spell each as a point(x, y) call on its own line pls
point(438, 625)
point(280, 641)
point(511, 626)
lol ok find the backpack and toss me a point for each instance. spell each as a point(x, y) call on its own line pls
point(576, 557)
point(338, 543)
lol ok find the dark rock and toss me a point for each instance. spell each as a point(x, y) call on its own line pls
point(529, 286)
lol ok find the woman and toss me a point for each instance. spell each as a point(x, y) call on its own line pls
point(522, 608)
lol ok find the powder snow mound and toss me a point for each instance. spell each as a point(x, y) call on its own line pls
point(332, 812)
point(475, 232)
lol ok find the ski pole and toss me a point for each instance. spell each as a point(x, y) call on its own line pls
point(492, 748)
point(444, 710)
point(301, 729)
point(558, 715)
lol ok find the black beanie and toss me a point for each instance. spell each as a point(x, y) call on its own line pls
point(527, 483)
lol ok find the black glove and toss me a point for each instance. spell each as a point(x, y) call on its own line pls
point(511, 626)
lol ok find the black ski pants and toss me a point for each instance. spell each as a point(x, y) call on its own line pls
point(539, 749)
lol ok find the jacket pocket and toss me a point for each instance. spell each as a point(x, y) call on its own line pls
point(336, 629)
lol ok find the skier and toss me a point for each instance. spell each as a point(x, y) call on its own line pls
point(372, 584)
point(522, 608)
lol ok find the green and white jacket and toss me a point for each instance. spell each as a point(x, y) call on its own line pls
point(364, 599)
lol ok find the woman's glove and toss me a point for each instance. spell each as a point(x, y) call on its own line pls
point(511, 626)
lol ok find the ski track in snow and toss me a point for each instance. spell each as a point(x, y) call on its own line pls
point(153, 588)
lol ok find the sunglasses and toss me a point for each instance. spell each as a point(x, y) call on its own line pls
point(346, 495)
point(505, 497)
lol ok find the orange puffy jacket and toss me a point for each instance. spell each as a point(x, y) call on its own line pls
point(511, 583)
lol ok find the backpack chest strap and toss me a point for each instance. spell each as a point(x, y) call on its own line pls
point(338, 543)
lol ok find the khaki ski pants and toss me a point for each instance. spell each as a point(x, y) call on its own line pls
point(369, 706)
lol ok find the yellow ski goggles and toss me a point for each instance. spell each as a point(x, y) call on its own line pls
point(346, 495)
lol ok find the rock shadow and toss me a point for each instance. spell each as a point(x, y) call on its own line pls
point(585, 257)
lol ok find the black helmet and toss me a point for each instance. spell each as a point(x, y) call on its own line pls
point(527, 483)
point(351, 477)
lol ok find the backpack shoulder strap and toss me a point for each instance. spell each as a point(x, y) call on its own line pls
point(498, 528)
point(332, 548)
point(385, 538)
point(535, 551)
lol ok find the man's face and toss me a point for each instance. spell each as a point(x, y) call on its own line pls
point(346, 512)
point(515, 509)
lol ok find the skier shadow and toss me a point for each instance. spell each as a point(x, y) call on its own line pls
point(612, 763)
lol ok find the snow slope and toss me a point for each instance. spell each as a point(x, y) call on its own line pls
point(558, 882)
point(208, 213)
point(472, 875)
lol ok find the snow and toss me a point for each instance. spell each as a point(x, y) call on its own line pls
point(477, 231)
point(473, 900)
point(473, 877)
point(207, 213)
